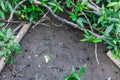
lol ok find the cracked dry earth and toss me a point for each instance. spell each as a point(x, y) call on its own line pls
point(65, 49)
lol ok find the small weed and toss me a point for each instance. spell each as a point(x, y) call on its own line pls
point(47, 58)
point(74, 75)
point(8, 45)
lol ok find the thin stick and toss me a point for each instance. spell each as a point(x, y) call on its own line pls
point(7, 25)
point(96, 56)
point(41, 20)
point(87, 20)
point(18, 27)
point(16, 22)
point(5, 21)
point(93, 7)
point(17, 39)
point(94, 4)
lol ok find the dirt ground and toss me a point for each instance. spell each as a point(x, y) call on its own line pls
point(64, 46)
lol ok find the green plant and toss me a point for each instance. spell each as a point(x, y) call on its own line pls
point(106, 23)
point(55, 6)
point(8, 45)
point(75, 76)
point(90, 38)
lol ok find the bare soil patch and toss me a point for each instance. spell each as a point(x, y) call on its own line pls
point(65, 49)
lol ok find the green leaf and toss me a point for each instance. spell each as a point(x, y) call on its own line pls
point(100, 19)
point(8, 5)
point(60, 9)
point(55, 9)
point(2, 35)
point(52, 3)
point(2, 24)
point(112, 4)
point(73, 16)
point(117, 8)
point(96, 40)
point(9, 34)
point(118, 30)
point(108, 40)
point(2, 4)
point(84, 40)
point(31, 1)
point(68, 3)
point(109, 29)
point(82, 70)
point(115, 20)
point(73, 70)
point(87, 33)
point(98, 1)
point(80, 22)
point(74, 76)
point(97, 13)
point(1, 43)
point(2, 14)
point(84, 1)
point(14, 46)
point(2, 53)
point(47, 58)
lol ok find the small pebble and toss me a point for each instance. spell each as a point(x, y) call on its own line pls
point(39, 66)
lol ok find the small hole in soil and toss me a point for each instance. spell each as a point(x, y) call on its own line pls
point(14, 76)
point(91, 63)
point(70, 37)
point(54, 35)
point(4, 70)
point(76, 41)
point(56, 55)
point(88, 58)
point(61, 70)
point(55, 77)
point(84, 49)
point(77, 68)
point(28, 65)
point(53, 31)
point(23, 56)
point(102, 69)
point(26, 50)
point(116, 72)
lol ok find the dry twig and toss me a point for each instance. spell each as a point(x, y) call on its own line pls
point(96, 56)
point(94, 4)
point(93, 7)
point(18, 27)
point(41, 20)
